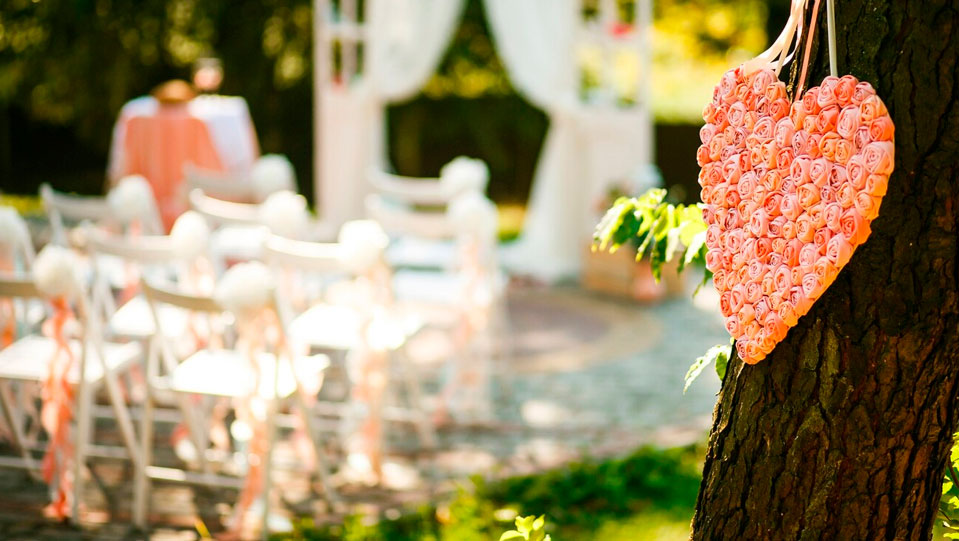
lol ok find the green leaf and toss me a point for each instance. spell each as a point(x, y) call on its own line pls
point(718, 354)
point(722, 361)
point(512, 534)
point(951, 535)
point(946, 486)
point(694, 246)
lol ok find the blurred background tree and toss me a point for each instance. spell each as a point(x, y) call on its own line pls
point(67, 67)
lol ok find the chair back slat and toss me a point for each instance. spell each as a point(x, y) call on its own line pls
point(303, 255)
point(417, 191)
point(229, 186)
point(156, 293)
point(18, 286)
point(222, 212)
point(397, 220)
point(145, 250)
point(74, 207)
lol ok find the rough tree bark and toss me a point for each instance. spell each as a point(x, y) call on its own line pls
point(844, 431)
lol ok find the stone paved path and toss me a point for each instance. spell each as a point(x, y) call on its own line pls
point(589, 375)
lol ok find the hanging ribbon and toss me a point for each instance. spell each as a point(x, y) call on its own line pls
point(57, 411)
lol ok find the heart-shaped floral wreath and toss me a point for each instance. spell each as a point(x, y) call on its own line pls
point(790, 190)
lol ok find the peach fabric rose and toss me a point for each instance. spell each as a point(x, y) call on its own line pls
point(881, 129)
point(848, 122)
point(878, 157)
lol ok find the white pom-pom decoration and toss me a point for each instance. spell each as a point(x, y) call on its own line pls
point(361, 244)
point(464, 174)
point(245, 289)
point(190, 236)
point(285, 214)
point(132, 199)
point(473, 214)
point(270, 174)
point(14, 235)
point(55, 273)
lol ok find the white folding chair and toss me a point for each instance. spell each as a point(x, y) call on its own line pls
point(97, 365)
point(341, 328)
point(65, 210)
point(447, 289)
point(219, 373)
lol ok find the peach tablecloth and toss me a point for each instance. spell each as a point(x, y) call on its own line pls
point(153, 140)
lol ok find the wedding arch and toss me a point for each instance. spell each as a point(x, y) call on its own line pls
point(386, 53)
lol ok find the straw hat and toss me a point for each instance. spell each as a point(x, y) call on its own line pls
point(174, 91)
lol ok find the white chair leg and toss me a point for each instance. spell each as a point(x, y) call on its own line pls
point(268, 468)
point(84, 428)
point(414, 394)
point(15, 420)
point(141, 496)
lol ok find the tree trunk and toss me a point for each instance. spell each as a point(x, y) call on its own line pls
point(844, 431)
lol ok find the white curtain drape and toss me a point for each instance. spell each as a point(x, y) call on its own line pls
point(404, 42)
point(585, 148)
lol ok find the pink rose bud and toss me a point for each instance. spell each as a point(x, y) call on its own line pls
point(846, 196)
point(810, 107)
point(805, 228)
point(779, 109)
point(808, 194)
point(796, 115)
point(763, 247)
point(844, 151)
point(714, 259)
point(741, 348)
point(808, 255)
point(848, 122)
point(782, 278)
point(787, 313)
point(867, 205)
point(854, 226)
point(725, 303)
point(871, 108)
point(827, 145)
point(774, 325)
point(827, 118)
point(878, 157)
point(790, 207)
point(862, 91)
point(837, 176)
point(783, 134)
point(775, 91)
point(811, 285)
point(838, 251)
point(876, 185)
point(768, 284)
point(881, 129)
point(733, 327)
point(826, 271)
point(754, 292)
point(789, 230)
point(799, 142)
point(845, 89)
point(783, 159)
point(833, 215)
point(820, 239)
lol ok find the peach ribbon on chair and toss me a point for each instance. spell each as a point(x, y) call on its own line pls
point(56, 412)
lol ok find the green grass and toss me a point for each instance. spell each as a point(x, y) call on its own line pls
point(647, 495)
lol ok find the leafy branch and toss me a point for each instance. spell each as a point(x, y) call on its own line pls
point(662, 231)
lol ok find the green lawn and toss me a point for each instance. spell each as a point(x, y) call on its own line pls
point(647, 495)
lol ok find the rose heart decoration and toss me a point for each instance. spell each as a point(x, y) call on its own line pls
point(790, 190)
